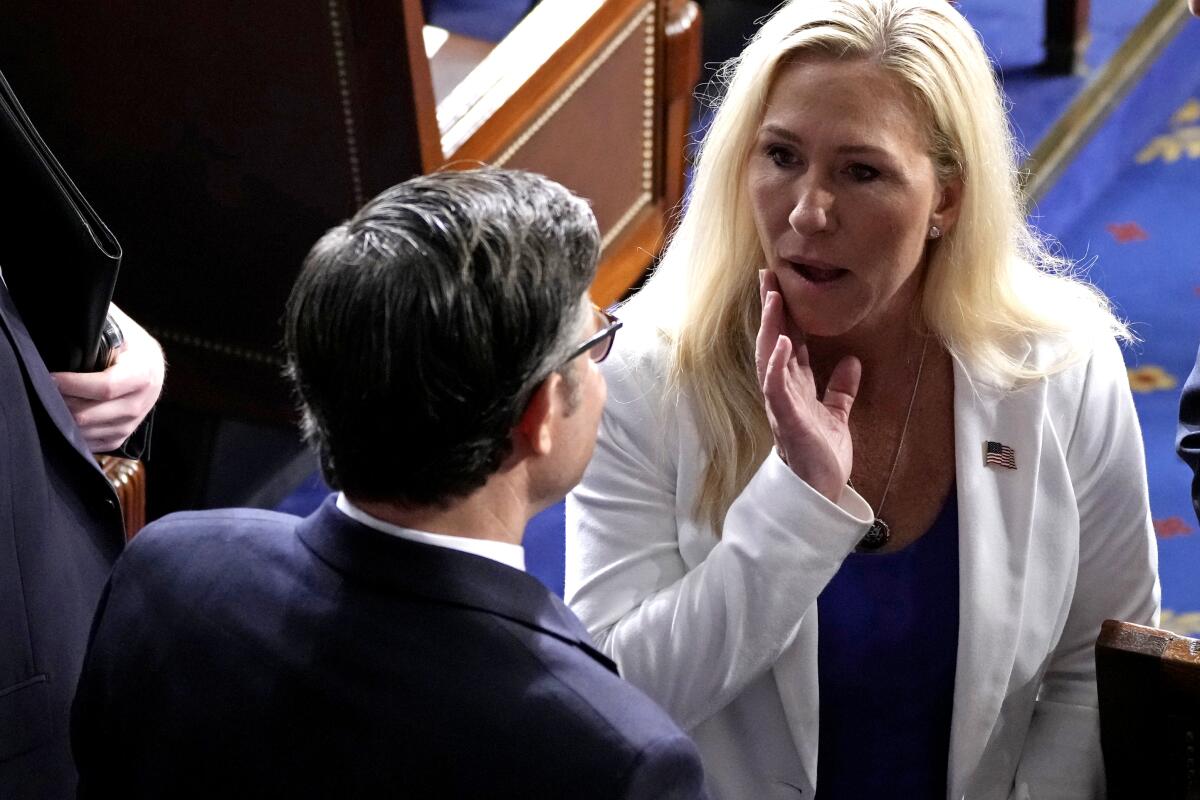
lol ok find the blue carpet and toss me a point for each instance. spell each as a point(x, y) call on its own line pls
point(1130, 206)
point(1136, 221)
point(1013, 33)
point(490, 20)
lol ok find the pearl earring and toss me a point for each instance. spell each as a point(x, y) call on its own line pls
point(935, 232)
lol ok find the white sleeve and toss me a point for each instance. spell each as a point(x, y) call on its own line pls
point(1118, 579)
point(693, 639)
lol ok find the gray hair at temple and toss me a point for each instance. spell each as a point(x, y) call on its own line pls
point(418, 329)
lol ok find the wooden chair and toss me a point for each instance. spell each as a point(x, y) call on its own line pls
point(128, 479)
point(1149, 685)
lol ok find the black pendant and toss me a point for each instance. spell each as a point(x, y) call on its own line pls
point(877, 536)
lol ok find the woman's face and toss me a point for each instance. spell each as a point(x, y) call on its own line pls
point(844, 194)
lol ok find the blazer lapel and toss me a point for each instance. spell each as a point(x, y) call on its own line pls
point(996, 507)
point(440, 574)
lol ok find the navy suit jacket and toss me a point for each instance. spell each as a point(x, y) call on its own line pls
point(251, 653)
point(1187, 435)
point(60, 531)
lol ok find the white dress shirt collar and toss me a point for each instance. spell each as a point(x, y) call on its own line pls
point(512, 555)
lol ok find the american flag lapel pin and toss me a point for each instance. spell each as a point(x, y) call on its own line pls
point(996, 454)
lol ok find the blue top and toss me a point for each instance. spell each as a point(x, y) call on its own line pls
point(888, 642)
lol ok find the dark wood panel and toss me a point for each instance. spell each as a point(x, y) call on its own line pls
point(1149, 691)
point(218, 139)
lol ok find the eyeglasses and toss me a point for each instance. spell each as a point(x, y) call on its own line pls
point(599, 344)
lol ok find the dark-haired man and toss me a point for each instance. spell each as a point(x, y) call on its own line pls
point(443, 349)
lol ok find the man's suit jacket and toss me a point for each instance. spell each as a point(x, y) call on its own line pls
point(60, 531)
point(1187, 435)
point(251, 653)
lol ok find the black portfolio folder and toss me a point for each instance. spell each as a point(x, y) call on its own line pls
point(57, 257)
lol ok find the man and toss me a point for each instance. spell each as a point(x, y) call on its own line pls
point(443, 351)
point(60, 531)
point(60, 524)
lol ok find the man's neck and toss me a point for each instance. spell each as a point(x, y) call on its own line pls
point(497, 511)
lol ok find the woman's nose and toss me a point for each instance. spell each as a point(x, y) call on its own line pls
point(813, 210)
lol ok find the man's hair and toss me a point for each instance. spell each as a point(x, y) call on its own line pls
point(418, 330)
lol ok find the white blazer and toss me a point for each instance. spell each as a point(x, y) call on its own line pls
point(723, 633)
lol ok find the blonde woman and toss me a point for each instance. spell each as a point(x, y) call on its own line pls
point(869, 477)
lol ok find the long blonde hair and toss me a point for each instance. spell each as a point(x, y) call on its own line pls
point(988, 282)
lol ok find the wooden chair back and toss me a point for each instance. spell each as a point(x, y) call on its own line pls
point(1149, 686)
point(128, 479)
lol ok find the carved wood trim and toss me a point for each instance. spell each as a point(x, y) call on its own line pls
point(625, 265)
point(128, 479)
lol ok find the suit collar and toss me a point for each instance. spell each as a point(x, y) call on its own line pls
point(440, 574)
point(503, 552)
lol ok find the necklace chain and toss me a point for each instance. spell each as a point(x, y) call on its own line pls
point(879, 533)
point(904, 430)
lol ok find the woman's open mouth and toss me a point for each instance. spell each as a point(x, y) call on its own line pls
point(815, 274)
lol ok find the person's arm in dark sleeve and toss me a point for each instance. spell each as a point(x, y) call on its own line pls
point(669, 769)
point(1187, 435)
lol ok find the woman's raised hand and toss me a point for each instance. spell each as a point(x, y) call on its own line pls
point(812, 435)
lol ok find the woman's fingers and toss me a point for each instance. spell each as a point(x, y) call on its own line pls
point(771, 322)
point(768, 333)
point(806, 441)
point(783, 392)
point(843, 386)
point(774, 384)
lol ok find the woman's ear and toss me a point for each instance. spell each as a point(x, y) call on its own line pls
point(536, 423)
point(945, 213)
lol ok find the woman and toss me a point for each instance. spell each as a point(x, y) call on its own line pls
point(920, 381)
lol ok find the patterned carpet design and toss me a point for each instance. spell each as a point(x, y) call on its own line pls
point(1127, 210)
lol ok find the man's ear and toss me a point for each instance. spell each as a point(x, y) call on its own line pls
point(535, 423)
point(945, 213)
